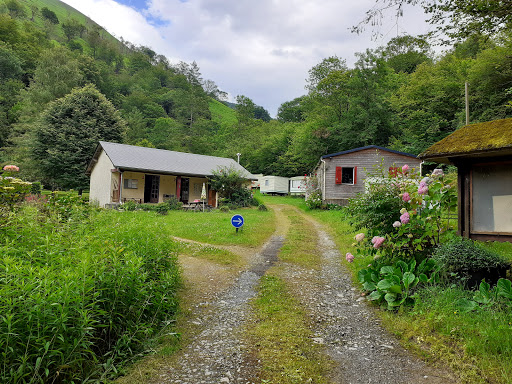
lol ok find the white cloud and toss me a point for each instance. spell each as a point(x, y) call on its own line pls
point(262, 49)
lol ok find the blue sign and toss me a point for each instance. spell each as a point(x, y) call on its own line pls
point(237, 221)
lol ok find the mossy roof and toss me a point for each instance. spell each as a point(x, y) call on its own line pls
point(473, 139)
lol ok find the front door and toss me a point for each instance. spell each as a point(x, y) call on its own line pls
point(212, 198)
point(151, 188)
point(184, 190)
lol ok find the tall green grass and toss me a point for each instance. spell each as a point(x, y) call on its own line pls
point(80, 296)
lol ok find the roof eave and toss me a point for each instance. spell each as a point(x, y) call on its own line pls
point(447, 156)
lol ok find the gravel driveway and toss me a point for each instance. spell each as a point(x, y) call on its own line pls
point(362, 351)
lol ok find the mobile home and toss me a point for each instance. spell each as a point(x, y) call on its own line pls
point(274, 185)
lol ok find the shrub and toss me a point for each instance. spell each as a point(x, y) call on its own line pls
point(419, 226)
point(262, 207)
point(231, 186)
point(162, 208)
point(224, 208)
point(314, 199)
point(313, 194)
point(12, 189)
point(129, 206)
point(393, 285)
point(76, 302)
point(372, 210)
point(36, 188)
point(464, 261)
point(174, 204)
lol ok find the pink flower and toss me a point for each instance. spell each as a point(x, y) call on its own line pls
point(405, 168)
point(404, 219)
point(11, 168)
point(423, 188)
point(406, 197)
point(349, 257)
point(378, 241)
point(397, 224)
point(438, 172)
point(359, 237)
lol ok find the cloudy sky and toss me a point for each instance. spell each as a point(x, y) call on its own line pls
point(262, 49)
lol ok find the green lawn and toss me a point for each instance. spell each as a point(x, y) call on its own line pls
point(208, 227)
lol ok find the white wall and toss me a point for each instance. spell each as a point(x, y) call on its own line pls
point(101, 181)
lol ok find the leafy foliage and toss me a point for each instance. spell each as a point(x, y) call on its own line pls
point(78, 298)
point(461, 259)
point(394, 285)
point(70, 130)
point(232, 187)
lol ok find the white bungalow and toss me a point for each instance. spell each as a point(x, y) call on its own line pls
point(121, 173)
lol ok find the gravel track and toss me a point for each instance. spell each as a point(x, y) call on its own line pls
point(362, 350)
point(217, 354)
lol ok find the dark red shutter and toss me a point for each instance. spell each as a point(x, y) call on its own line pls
point(355, 175)
point(338, 175)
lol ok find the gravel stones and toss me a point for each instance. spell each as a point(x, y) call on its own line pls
point(362, 350)
point(218, 354)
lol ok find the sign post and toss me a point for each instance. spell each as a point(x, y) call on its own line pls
point(237, 221)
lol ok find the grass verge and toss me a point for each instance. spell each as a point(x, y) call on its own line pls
point(301, 242)
point(281, 338)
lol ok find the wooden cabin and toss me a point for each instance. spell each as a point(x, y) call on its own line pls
point(482, 154)
point(342, 175)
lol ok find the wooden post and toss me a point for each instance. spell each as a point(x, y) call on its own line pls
point(178, 188)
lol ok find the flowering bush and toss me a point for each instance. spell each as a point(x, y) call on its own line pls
point(12, 189)
point(421, 221)
point(313, 192)
point(371, 210)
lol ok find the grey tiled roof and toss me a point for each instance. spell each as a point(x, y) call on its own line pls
point(130, 157)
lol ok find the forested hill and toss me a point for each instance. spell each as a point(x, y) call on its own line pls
point(54, 62)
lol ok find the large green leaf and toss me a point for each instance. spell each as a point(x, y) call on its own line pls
point(483, 295)
point(390, 297)
point(385, 284)
point(387, 270)
point(504, 288)
point(466, 305)
point(408, 279)
point(395, 289)
point(375, 295)
point(361, 275)
point(369, 286)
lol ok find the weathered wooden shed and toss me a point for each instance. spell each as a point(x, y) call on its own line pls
point(482, 154)
point(274, 185)
point(341, 176)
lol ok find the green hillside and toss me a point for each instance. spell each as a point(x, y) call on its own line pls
point(222, 114)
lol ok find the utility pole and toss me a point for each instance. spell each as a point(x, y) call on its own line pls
point(467, 102)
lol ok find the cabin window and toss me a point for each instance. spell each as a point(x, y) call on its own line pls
point(266, 183)
point(492, 199)
point(130, 183)
point(296, 183)
point(347, 175)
